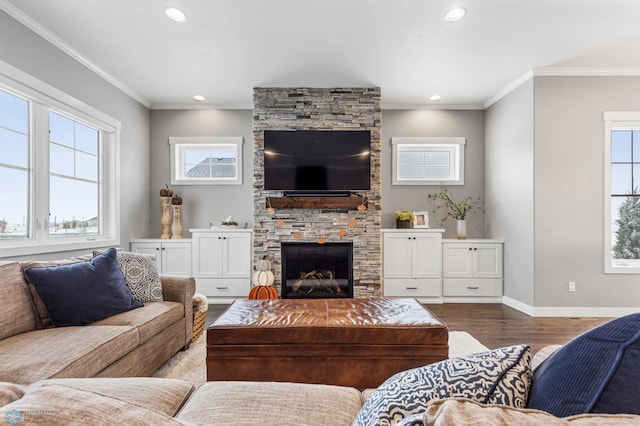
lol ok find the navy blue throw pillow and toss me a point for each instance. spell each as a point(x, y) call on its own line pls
point(597, 372)
point(83, 292)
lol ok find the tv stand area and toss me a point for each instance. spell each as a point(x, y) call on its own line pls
point(350, 202)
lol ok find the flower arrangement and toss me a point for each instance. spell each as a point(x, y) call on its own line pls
point(455, 209)
point(403, 215)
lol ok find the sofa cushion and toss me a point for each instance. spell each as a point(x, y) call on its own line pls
point(141, 275)
point(501, 376)
point(84, 292)
point(271, 403)
point(63, 352)
point(597, 372)
point(18, 316)
point(10, 392)
point(467, 412)
point(149, 320)
point(61, 404)
point(44, 319)
point(166, 396)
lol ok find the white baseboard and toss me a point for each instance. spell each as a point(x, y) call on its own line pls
point(568, 311)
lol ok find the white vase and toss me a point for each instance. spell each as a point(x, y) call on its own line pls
point(461, 229)
point(176, 226)
point(165, 220)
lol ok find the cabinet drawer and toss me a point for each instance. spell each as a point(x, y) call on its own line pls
point(223, 287)
point(427, 287)
point(472, 287)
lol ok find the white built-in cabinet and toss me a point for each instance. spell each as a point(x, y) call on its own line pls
point(472, 268)
point(173, 257)
point(412, 263)
point(222, 262)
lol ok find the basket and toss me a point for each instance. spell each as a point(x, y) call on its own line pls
point(198, 324)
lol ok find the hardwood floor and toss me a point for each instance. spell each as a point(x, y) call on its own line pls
point(496, 325)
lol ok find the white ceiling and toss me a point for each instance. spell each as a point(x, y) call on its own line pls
point(227, 47)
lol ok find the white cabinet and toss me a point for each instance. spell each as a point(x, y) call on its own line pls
point(172, 256)
point(412, 263)
point(222, 262)
point(472, 268)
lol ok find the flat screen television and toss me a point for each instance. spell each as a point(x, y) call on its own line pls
point(308, 162)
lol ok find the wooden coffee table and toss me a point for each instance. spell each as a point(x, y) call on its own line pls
point(349, 342)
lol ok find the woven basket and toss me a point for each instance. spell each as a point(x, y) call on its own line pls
point(198, 324)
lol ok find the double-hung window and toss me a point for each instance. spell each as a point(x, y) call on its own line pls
point(622, 192)
point(58, 170)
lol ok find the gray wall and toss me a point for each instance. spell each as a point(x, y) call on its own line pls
point(30, 53)
point(569, 238)
point(414, 123)
point(201, 203)
point(509, 161)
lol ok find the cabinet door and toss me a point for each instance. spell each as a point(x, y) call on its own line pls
point(488, 260)
point(207, 256)
point(176, 258)
point(457, 260)
point(397, 255)
point(427, 256)
point(236, 258)
point(149, 248)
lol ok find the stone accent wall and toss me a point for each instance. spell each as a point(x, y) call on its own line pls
point(320, 109)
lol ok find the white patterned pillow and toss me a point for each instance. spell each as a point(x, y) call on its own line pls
point(501, 376)
point(141, 275)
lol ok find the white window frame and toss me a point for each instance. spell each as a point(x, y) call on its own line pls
point(179, 144)
point(615, 120)
point(44, 98)
point(454, 145)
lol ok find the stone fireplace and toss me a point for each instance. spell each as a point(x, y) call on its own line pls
point(325, 221)
point(315, 271)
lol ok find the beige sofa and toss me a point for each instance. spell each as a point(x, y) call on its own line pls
point(132, 343)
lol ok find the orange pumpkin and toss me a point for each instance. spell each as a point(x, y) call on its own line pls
point(263, 292)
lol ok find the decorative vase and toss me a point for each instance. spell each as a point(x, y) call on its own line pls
point(165, 220)
point(403, 224)
point(176, 227)
point(461, 229)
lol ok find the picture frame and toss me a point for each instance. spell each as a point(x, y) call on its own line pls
point(420, 219)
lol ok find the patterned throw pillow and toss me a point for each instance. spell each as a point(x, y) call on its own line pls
point(141, 275)
point(501, 376)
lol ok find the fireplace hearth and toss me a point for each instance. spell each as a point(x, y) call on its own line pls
point(317, 271)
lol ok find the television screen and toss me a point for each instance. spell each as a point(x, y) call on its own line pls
point(317, 160)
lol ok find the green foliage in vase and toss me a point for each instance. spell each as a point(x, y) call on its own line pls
point(455, 209)
point(403, 215)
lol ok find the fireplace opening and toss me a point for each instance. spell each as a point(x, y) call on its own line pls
point(317, 271)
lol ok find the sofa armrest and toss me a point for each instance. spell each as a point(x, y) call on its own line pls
point(181, 289)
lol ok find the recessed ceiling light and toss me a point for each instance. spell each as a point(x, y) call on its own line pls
point(455, 14)
point(198, 98)
point(175, 14)
point(435, 98)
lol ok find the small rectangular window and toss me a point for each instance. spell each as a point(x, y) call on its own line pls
point(428, 161)
point(206, 161)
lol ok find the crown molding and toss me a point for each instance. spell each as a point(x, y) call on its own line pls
point(34, 26)
point(586, 72)
point(508, 89)
point(201, 106)
point(439, 106)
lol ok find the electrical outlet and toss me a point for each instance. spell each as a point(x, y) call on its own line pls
point(572, 287)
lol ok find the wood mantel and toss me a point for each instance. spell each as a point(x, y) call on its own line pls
point(349, 203)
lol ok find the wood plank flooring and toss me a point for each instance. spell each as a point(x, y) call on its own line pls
point(496, 325)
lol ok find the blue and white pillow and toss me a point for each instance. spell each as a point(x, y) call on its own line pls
point(501, 376)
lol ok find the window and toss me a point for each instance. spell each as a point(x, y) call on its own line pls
point(58, 170)
point(622, 192)
point(428, 161)
point(206, 161)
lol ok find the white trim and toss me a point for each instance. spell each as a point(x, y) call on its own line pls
point(435, 106)
point(518, 305)
point(586, 72)
point(508, 89)
point(456, 147)
point(200, 105)
point(34, 26)
point(177, 174)
point(568, 311)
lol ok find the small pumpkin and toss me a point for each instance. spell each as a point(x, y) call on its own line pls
point(176, 200)
point(166, 191)
point(322, 240)
point(263, 292)
point(263, 265)
point(262, 278)
point(297, 235)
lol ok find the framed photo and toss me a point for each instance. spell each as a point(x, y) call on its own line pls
point(420, 219)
